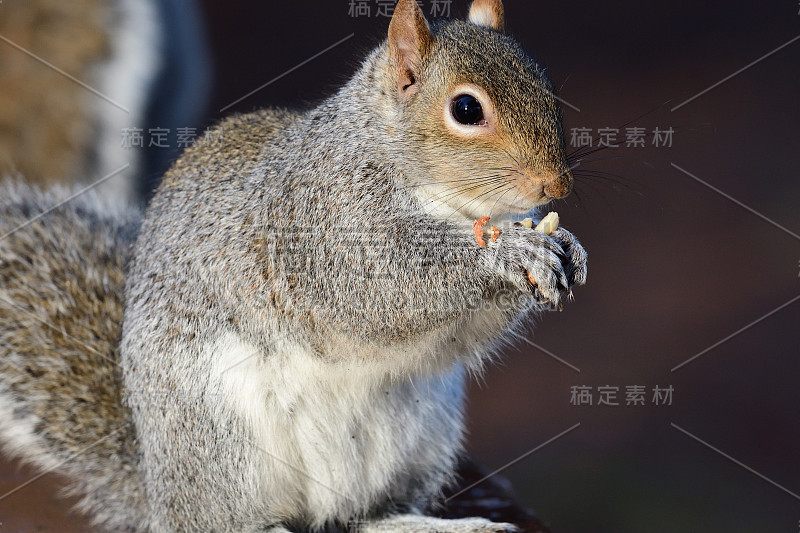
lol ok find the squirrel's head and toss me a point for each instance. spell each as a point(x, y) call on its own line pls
point(481, 119)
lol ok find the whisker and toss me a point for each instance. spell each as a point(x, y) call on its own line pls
point(464, 189)
point(614, 185)
point(573, 154)
point(479, 197)
point(510, 188)
point(443, 182)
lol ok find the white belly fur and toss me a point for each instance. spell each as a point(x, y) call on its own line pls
point(333, 439)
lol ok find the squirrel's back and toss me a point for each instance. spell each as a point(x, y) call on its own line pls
point(62, 266)
point(63, 259)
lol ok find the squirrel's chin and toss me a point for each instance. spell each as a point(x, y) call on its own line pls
point(503, 211)
point(527, 205)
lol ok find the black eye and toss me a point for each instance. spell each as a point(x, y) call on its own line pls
point(467, 110)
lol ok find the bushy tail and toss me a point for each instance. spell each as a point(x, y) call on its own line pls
point(62, 264)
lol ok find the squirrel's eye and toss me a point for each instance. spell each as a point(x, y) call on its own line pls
point(467, 110)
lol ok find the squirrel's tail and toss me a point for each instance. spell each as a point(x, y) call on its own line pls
point(62, 264)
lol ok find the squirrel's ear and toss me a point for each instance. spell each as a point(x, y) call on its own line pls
point(487, 13)
point(409, 42)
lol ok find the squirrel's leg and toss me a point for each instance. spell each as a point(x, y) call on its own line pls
point(199, 466)
point(417, 523)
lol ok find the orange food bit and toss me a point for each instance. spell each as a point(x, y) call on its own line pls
point(477, 228)
point(495, 233)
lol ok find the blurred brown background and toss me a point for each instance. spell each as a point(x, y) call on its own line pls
point(675, 267)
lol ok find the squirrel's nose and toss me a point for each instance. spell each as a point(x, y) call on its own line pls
point(559, 185)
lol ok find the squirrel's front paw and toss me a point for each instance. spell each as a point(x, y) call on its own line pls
point(533, 261)
point(575, 266)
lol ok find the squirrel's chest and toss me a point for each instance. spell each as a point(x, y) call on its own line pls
point(332, 438)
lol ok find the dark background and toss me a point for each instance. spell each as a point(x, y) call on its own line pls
point(675, 267)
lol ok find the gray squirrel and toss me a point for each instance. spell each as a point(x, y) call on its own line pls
point(281, 342)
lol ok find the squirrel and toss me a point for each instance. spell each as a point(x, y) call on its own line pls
point(281, 341)
point(77, 75)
